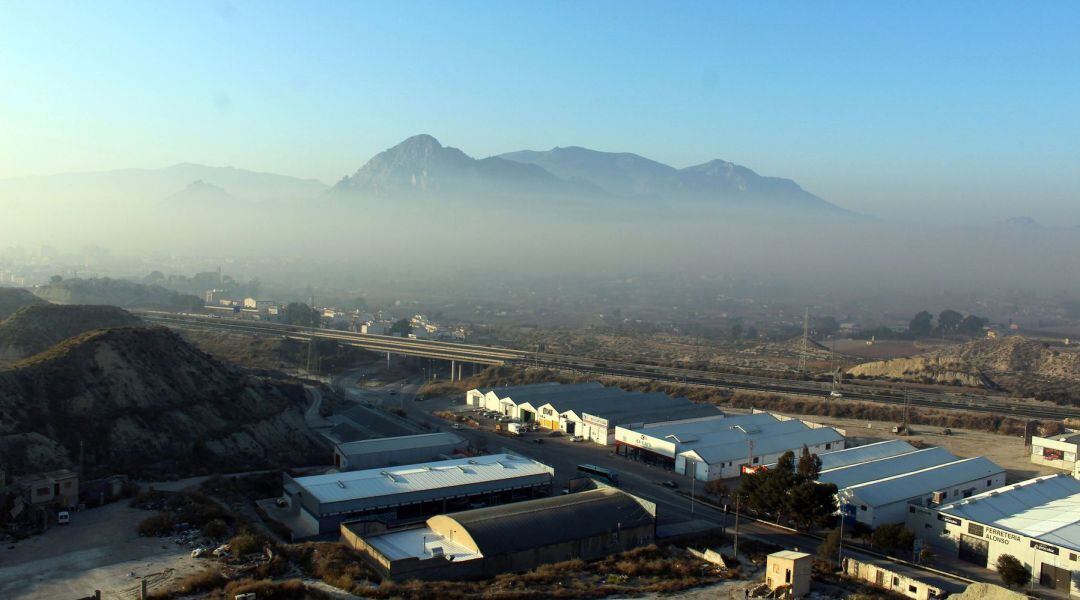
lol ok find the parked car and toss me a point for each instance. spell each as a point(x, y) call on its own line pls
point(669, 484)
point(836, 394)
point(63, 517)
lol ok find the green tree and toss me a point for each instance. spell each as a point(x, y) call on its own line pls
point(809, 466)
point(829, 549)
point(55, 279)
point(401, 327)
point(949, 320)
point(811, 504)
point(299, 313)
point(717, 488)
point(1013, 572)
point(972, 325)
point(893, 537)
point(736, 331)
point(825, 325)
point(921, 325)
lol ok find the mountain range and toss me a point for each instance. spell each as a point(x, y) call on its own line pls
point(421, 166)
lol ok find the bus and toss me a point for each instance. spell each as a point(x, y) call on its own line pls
point(600, 474)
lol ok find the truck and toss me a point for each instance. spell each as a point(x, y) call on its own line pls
point(513, 428)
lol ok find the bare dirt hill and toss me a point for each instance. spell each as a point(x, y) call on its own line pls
point(12, 299)
point(35, 328)
point(1016, 364)
point(143, 401)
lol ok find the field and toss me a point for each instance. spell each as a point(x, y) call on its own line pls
point(879, 350)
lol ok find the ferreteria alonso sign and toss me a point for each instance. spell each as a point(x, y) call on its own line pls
point(1001, 537)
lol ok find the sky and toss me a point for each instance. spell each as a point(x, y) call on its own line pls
point(949, 112)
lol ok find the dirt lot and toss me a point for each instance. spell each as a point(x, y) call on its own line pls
point(880, 350)
point(97, 551)
point(1007, 451)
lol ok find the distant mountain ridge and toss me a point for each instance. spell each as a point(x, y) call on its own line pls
point(142, 186)
point(421, 165)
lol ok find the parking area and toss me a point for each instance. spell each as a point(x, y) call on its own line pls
point(99, 550)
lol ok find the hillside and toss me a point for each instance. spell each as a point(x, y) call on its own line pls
point(142, 401)
point(116, 292)
point(35, 328)
point(1015, 364)
point(12, 299)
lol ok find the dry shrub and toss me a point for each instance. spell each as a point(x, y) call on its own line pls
point(333, 563)
point(196, 583)
point(264, 589)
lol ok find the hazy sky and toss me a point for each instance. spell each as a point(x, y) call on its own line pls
point(914, 110)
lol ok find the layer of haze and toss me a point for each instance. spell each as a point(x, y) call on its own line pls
point(926, 112)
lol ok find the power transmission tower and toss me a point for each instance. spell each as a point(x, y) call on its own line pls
point(805, 340)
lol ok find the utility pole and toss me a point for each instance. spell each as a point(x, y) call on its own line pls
point(907, 411)
point(840, 549)
point(805, 340)
point(693, 482)
point(738, 500)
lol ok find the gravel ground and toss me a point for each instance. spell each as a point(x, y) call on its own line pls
point(97, 551)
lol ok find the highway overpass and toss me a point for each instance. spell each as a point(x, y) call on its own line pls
point(459, 353)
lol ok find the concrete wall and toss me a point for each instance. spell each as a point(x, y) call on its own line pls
point(880, 576)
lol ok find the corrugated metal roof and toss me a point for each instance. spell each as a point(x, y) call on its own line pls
point(528, 393)
point(524, 525)
point(370, 483)
point(403, 442)
point(858, 454)
point(882, 468)
point(1044, 508)
point(772, 439)
point(705, 425)
point(922, 482)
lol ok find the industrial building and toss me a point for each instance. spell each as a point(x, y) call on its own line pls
point(320, 503)
point(859, 454)
point(718, 447)
point(400, 450)
point(515, 537)
point(887, 499)
point(589, 410)
point(1037, 521)
point(1057, 451)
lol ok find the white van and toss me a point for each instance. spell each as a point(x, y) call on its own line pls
point(63, 517)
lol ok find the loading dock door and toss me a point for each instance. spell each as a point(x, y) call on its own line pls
point(527, 416)
point(1055, 578)
point(974, 550)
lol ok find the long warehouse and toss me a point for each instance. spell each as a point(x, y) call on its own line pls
point(400, 494)
point(1036, 521)
point(589, 410)
point(887, 499)
point(720, 448)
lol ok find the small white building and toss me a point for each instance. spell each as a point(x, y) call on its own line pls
point(899, 579)
point(1057, 451)
point(887, 500)
point(1036, 521)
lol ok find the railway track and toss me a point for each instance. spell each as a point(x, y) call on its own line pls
point(496, 356)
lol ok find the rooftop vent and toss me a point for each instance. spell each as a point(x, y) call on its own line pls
point(340, 484)
point(437, 551)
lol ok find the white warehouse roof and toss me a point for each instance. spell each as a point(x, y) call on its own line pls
point(919, 483)
point(1044, 508)
point(402, 442)
point(860, 454)
point(875, 470)
point(371, 483)
point(692, 430)
point(771, 439)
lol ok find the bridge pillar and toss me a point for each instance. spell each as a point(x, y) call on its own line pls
point(459, 369)
point(453, 368)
